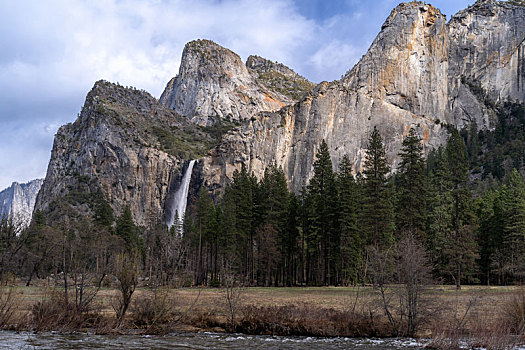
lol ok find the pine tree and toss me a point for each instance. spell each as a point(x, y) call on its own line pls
point(377, 214)
point(39, 219)
point(127, 230)
point(205, 215)
point(439, 219)
point(273, 201)
point(176, 228)
point(473, 145)
point(307, 245)
point(104, 215)
point(489, 233)
point(513, 196)
point(229, 249)
point(324, 231)
point(462, 246)
point(411, 188)
point(239, 218)
point(291, 240)
point(352, 244)
point(273, 197)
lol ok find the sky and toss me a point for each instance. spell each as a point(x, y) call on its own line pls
point(52, 52)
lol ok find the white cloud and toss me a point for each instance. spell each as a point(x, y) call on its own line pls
point(335, 55)
point(53, 51)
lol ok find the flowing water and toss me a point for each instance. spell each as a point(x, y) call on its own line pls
point(178, 205)
point(41, 341)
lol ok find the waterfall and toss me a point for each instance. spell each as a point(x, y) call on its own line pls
point(178, 204)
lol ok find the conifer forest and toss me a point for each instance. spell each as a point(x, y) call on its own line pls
point(458, 214)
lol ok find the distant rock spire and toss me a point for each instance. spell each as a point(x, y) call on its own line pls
point(18, 201)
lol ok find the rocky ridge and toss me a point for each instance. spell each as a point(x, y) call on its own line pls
point(213, 83)
point(419, 72)
point(18, 201)
point(278, 78)
point(415, 74)
point(125, 144)
point(486, 59)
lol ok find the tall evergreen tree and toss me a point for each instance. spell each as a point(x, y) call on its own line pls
point(127, 230)
point(230, 251)
point(205, 217)
point(489, 234)
point(473, 144)
point(239, 217)
point(411, 188)
point(274, 197)
point(462, 247)
point(291, 238)
point(104, 215)
point(351, 242)
point(275, 204)
point(513, 196)
point(324, 238)
point(377, 214)
point(439, 209)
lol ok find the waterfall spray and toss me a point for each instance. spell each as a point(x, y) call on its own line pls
point(180, 200)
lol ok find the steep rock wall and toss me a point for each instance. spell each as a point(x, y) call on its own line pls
point(419, 72)
point(400, 83)
point(112, 147)
point(18, 201)
point(214, 83)
point(486, 60)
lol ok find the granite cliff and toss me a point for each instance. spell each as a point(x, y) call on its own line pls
point(213, 83)
point(125, 145)
point(419, 72)
point(18, 201)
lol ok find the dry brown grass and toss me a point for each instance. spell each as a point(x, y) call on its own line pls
point(8, 306)
point(479, 317)
point(323, 311)
point(305, 319)
point(52, 313)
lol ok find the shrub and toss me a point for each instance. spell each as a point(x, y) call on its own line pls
point(53, 313)
point(151, 310)
point(513, 315)
point(309, 320)
point(8, 305)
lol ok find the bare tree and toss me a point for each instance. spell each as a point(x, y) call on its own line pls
point(126, 272)
point(10, 244)
point(89, 263)
point(233, 289)
point(8, 304)
point(401, 273)
point(413, 272)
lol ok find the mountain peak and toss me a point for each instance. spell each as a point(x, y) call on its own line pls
point(213, 83)
point(203, 46)
point(18, 200)
point(262, 65)
point(278, 78)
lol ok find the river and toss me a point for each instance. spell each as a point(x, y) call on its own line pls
point(52, 341)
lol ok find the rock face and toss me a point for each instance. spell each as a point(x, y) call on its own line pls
point(121, 144)
point(278, 78)
point(18, 201)
point(419, 72)
point(214, 83)
point(486, 59)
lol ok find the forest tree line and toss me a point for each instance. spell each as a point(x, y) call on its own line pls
point(461, 212)
point(463, 208)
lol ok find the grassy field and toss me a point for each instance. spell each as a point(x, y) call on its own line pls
point(330, 297)
point(321, 311)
